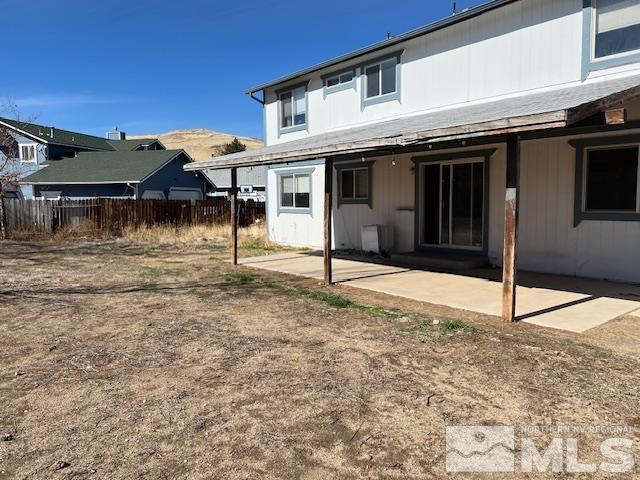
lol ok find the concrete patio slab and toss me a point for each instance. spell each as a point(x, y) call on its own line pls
point(567, 304)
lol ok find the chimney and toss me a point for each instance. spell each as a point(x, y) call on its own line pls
point(51, 132)
point(116, 135)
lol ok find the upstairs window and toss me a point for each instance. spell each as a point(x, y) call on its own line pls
point(28, 153)
point(381, 80)
point(616, 27)
point(295, 191)
point(293, 109)
point(611, 183)
point(340, 79)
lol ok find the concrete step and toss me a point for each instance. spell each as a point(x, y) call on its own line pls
point(445, 262)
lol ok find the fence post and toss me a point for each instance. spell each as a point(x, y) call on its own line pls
point(3, 218)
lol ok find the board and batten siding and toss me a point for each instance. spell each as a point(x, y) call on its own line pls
point(520, 47)
point(392, 205)
point(548, 242)
point(296, 229)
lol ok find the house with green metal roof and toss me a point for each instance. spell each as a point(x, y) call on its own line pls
point(152, 174)
point(35, 144)
point(55, 163)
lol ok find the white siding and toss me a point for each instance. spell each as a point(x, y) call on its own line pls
point(547, 239)
point(523, 46)
point(548, 242)
point(296, 229)
point(392, 202)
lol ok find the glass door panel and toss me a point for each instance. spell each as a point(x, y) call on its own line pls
point(454, 204)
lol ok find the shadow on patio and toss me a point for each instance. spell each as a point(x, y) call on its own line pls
point(554, 301)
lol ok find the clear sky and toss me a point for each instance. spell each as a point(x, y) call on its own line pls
point(150, 66)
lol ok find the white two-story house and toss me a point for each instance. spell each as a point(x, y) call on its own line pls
point(518, 116)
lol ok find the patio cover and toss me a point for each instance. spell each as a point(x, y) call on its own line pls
point(537, 110)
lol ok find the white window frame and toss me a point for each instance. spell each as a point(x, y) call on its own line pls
point(34, 146)
point(592, 36)
point(293, 128)
point(585, 178)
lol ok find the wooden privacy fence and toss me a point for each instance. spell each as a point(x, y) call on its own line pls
point(114, 215)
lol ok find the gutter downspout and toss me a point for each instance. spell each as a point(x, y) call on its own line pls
point(260, 101)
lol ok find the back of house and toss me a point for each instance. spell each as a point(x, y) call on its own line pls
point(424, 129)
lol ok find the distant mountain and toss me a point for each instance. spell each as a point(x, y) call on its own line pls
point(200, 143)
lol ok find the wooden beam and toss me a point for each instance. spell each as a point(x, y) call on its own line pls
point(234, 215)
point(328, 194)
point(511, 206)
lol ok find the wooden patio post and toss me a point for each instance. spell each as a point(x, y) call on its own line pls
point(511, 207)
point(328, 193)
point(234, 215)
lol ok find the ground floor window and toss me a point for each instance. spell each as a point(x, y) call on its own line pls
point(611, 180)
point(355, 182)
point(607, 179)
point(295, 190)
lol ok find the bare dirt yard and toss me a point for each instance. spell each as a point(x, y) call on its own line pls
point(122, 360)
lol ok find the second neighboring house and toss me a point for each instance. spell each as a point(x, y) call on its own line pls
point(251, 183)
point(55, 163)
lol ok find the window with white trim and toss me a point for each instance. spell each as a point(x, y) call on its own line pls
point(612, 180)
point(380, 78)
point(28, 153)
point(293, 108)
point(616, 27)
point(295, 190)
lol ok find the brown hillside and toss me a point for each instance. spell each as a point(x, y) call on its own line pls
point(200, 143)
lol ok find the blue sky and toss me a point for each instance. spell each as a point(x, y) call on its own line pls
point(150, 66)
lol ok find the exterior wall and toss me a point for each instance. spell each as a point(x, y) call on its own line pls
point(523, 46)
point(547, 239)
point(392, 197)
point(21, 169)
point(297, 229)
point(173, 175)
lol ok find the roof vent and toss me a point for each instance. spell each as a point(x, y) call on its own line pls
point(116, 135)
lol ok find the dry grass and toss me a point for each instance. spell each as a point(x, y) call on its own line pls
point(125, 361)
point(251, 238)
point(87, 229)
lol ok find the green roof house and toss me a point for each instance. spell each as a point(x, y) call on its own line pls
point(56, 163)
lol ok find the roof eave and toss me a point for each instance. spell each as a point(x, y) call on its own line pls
point(555, 119)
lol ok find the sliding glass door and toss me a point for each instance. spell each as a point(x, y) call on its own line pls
point(454, 204)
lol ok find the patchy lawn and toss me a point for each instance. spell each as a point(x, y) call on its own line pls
point(122, 360)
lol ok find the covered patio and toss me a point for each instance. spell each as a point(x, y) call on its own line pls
point(552, 301)
point(512, 126)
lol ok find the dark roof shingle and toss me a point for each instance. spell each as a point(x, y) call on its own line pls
point(103, 167)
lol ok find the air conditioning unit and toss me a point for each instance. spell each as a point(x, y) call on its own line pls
point(377, 238)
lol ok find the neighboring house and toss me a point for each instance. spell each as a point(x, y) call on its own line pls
point(436, 133)
point(55, 163)
point(36, 144)
point(251, 183)
point(150, 174)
